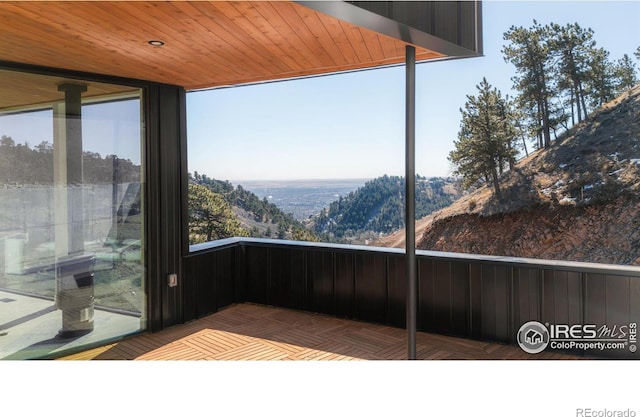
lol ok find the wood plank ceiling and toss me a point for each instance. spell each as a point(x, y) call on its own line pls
point(23, 91)
point(207, 43)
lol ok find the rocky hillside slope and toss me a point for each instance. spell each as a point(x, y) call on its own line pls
point(578, 200)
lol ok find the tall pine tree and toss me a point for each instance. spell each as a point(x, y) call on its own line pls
point(528, 51)
point(570, 46)
point(601, 79)
point(485, 141)
point(625, 74)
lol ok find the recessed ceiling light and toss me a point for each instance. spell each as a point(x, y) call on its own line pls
point(156, 43)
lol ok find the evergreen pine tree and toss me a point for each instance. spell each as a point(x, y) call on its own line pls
point(210, 216)
point(529, 52)
point(625, 74)
point(486, 137)
point(572, 46)
point(601, 79)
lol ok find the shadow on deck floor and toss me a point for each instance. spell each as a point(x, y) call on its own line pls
point(255, 332)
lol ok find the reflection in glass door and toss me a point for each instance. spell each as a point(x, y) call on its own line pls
point(71, 214)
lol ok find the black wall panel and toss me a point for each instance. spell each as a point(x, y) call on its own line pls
point(595, 310)
point(257, 284)
point(503, 303)
point(191, 268)
point(559, 281)
point(206, 288)
point(488, 297)
point(320, 284)
point(456, 22)
point(617, 300)
point(475, 299)
point(634, 299)
point(459, 301)
point(344, 284)
point(492, 306)
point(287, 278)
point(526, 292)
point(224, 278)
point(165, 121)
point(397, 290)
point(574, 297)
point(618, 313)
point(425, 320)
point(240, 276)
point(213, 279)
point(442, 297)
point(562, 299)
point(370, 288)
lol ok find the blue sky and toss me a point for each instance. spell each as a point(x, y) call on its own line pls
point(111, 128)
point(344, 125)
point(352, 125)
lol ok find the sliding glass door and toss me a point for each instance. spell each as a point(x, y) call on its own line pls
point(72, 250)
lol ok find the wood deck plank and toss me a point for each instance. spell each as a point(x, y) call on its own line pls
point(249, 332)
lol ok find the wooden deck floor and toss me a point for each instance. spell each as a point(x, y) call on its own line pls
point(254, 332)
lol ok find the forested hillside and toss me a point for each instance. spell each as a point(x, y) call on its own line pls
point(574, 122)
point(378, 206)
point(258, 218)
point(577, 200)
point(21, 164)
point(561, 77)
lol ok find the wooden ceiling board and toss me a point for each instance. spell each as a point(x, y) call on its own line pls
point(247, 41)
point(21, 91)
point(207, 43)
point(274, 28)
point(264, 35)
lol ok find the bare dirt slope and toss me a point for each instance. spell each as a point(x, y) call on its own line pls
point(578, 200)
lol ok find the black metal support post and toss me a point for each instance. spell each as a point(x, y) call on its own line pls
point(75, 271)
point(410, 202)
point(73, 143)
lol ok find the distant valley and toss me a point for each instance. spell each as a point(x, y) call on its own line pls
point(302, 198)
point(339, 211)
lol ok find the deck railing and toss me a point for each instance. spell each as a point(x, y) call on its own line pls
point(470, 296)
